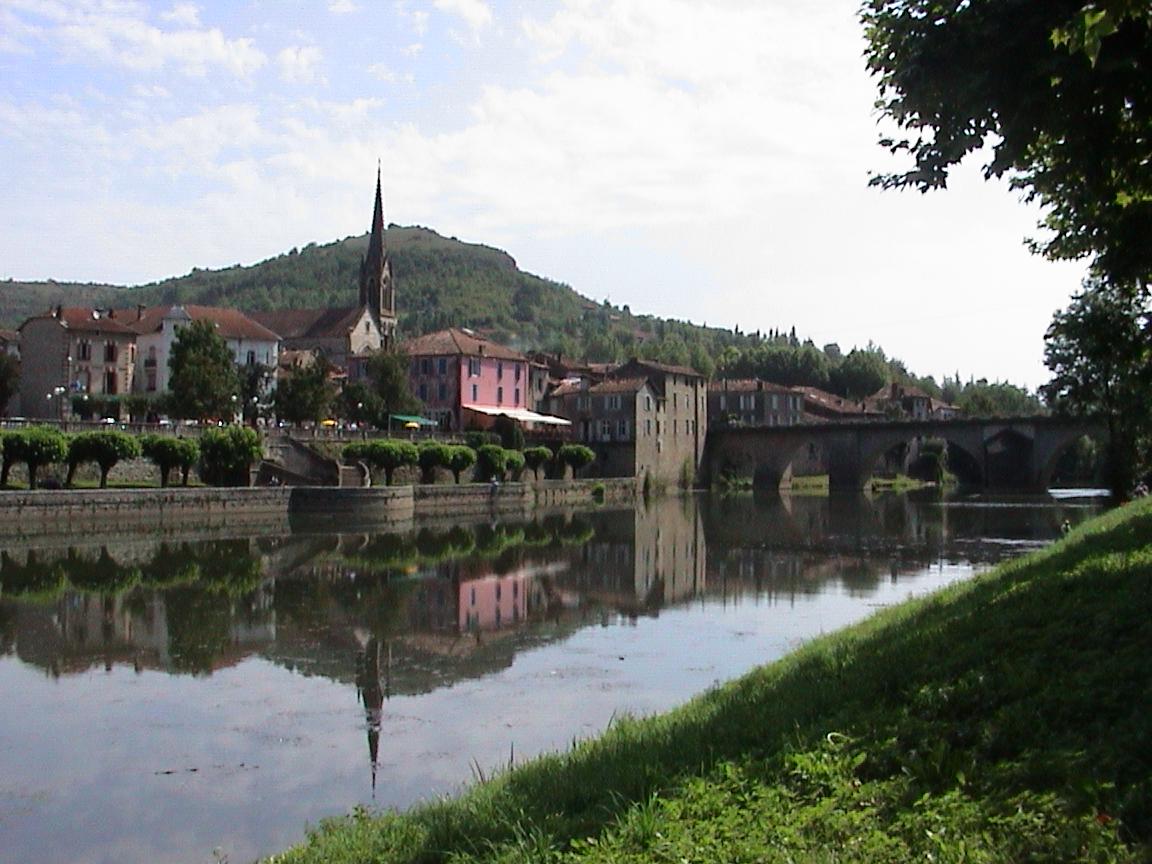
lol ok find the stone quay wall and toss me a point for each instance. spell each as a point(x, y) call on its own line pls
point(77, 512)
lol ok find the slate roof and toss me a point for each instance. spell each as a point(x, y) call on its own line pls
point(456, 341)
point(309, 323)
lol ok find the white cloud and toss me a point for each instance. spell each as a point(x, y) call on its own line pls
point(114, 32)
point(186, 14)
point(384, 72)
point(342, 7)
point(476, 13)
point(298, 63)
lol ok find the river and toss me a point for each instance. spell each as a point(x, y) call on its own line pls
point(206, 699)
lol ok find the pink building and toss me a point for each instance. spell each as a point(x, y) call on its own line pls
point(465, 380)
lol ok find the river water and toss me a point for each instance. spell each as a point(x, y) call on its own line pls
point(202, 699)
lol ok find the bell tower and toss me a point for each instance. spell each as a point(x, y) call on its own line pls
point(377, 289)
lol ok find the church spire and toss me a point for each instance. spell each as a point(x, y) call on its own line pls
point(376, 289)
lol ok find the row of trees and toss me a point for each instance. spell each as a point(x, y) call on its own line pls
point(491, 462)
point(224, 456)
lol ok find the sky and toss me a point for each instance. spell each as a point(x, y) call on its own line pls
point(706, 160)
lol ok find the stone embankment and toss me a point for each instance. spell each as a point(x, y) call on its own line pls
point(77, 512)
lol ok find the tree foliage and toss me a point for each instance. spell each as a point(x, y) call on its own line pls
point(462, 458)
point(168, 453)
point(861, 373)
point(9, 380)
point(1099, 351)
point(388, 382)
point(386, 455)
point(227, 455)
point(105, 448)
point(1060, 92)
point(536, 458)
point(575, 456)
point(491, 461)
point(35, 447)
point(204, 382)
point(433, 455)
point(305, 394)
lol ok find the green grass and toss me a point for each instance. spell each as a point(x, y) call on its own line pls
point(1005, 719)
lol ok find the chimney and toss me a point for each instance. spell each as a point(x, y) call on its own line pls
point(139, 311)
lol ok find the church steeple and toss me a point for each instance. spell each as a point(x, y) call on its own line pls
point(377, 291)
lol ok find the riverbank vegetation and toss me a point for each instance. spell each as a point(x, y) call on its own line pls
point(1006, 718)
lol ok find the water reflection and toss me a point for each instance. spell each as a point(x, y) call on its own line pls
point(634, 610)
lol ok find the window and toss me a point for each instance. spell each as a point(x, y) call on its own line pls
point(110, 383)
point(150, 378)
point(517, 401)
point(517, 371)
point(648, 428)
point(473, 367)
point(612, 403)
point(499, 395)
point(251, 358)
point(723, 402)
point(622, 430)
point(647, 403)
point(442, 365)
point(475, 392)
point(775, 402)
point(442, 391)
point(425, 366)
point(367, 327)
point(110, 352)
point(584, 403)
point(85, 350)
point(500, 370)
point(423, 392)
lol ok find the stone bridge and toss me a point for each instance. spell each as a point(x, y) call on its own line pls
point(1005, 453)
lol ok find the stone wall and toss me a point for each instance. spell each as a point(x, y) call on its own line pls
point(163, 511)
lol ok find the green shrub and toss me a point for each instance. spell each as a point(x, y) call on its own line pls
point(576, 456)
point(105, 448)
point(227, 455)
point(491, 460)
point(460, 460)
point(166, 453)
point(537, 458)
point(477, 439)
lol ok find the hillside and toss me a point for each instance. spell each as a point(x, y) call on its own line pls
point(440, 282)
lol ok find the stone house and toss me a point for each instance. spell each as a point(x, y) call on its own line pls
point(73, 351)
point(157, 327)
point(909, 401)
point(10, 345)
point(752, 402)
point(644, 420)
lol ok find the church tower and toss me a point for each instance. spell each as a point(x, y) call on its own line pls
point(377, 290)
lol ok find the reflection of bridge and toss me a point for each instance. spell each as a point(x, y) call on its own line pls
point(1018, 453)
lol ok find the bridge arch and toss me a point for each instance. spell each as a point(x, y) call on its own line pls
point(1056, 443)
point(874, 446)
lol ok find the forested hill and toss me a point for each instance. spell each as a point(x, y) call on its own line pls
point(440, 281)
point(444, 282)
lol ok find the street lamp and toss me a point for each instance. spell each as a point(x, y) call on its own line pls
point(57, 394)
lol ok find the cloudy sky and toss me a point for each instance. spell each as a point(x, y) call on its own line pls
point(700, 159)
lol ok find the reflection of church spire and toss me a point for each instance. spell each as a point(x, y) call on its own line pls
point(372, 694)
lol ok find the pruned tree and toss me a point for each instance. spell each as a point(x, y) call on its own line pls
point(105, 448)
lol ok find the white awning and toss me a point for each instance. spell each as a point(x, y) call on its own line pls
point(521, 415)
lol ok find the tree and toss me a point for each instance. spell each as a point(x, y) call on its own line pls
point(1100, 354)
point(462, 458)
point(35, 447)
point(9, 380)
point(433, 455)
point(227, 455)
point(536, 458)
point(305, 394)
point(167, 453)
point(388, 455)
point(861, 373)
point(106, 449)
point(1059, 91)
point(203, 382)
point(576, 456)
point(491, 460)
point(514, 464)
point(511, 435)
point(388, 374)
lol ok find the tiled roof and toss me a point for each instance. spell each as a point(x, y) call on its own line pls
point(831, 402)
point(84, 319)
point(9, 336)
point(568, 388)
point(619, 385)
point(309, 323)
point(633, 365)
point(455, 341)
point(746, 385)
point(230, 323)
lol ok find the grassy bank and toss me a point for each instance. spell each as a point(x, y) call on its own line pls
point(1006, 719)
